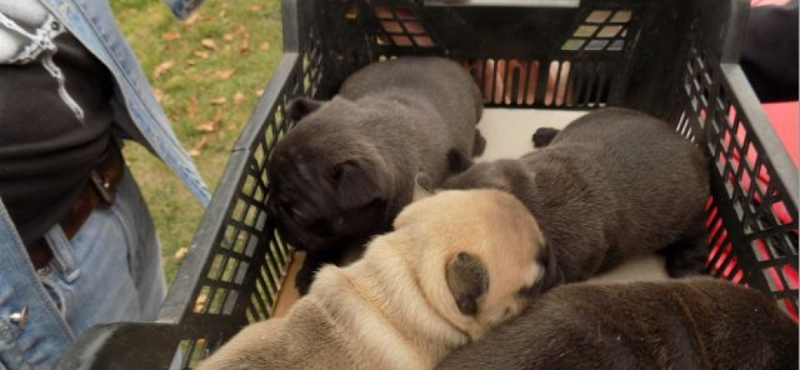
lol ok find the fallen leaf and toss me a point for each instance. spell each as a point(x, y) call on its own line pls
point(258, 92)
point(209, 44)
point(207, 127)
point(225, 73)
point(240, 30)
point(239, 98)
point(159, 94)
point(200, 303)
point(180, 253)
point(254, 8)
point(218, 100)
point(201, 54)
point(244, 47)
point(195, 151)
point(191, 62)
point(228, 37)
point(163, 68)
point(191, 109)
point(264, 46)
point(214, 125)
point(191, 20)
point(171, 35)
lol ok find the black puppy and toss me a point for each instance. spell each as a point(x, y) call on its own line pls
point(347, 169)
point(686, 324)
point(612, 185)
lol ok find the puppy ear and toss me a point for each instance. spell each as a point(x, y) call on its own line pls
point(552, 277)
point(300, 107)
point(468, 280)
point(355, 187)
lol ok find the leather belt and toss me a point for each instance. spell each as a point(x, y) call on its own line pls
point(98, 193)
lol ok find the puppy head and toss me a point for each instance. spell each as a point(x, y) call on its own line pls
point(328, 185)
point(478, 254)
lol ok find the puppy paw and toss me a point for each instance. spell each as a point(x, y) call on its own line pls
point(678, 269)
point(457, 162)
point(686, 258)
point(543, 136)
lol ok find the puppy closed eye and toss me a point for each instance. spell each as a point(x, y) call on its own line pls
point(336, 173)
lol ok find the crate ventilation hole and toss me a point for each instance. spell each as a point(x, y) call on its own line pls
point(603, 30)
point(400, 27)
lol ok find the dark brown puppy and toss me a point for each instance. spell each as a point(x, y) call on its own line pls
point(347, 169)
point(693, 323)
point(612, 185)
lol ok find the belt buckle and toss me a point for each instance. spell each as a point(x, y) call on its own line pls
point(103, 186)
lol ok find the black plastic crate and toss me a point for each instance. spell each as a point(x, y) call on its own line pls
point(676, 59)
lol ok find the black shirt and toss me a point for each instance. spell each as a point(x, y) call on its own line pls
point(55, 117)
point(770, 52)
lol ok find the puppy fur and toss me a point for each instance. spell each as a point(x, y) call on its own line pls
point(612, 185)
point(346, 170)
point(686, 324)
point(457, 264)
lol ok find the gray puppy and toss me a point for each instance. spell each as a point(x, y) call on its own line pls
point(696, 323)
point(347, 169)
point(612, 185)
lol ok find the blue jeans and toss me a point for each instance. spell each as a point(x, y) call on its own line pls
point(110, 271)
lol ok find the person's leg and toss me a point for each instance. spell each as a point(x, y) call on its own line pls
point(111, 269)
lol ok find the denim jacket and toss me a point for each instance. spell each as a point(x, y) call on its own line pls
point(91, 22)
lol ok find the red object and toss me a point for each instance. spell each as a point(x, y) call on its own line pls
point(784, 119)
point(767, 2)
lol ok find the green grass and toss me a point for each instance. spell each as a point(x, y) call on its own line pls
point(207, 88)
